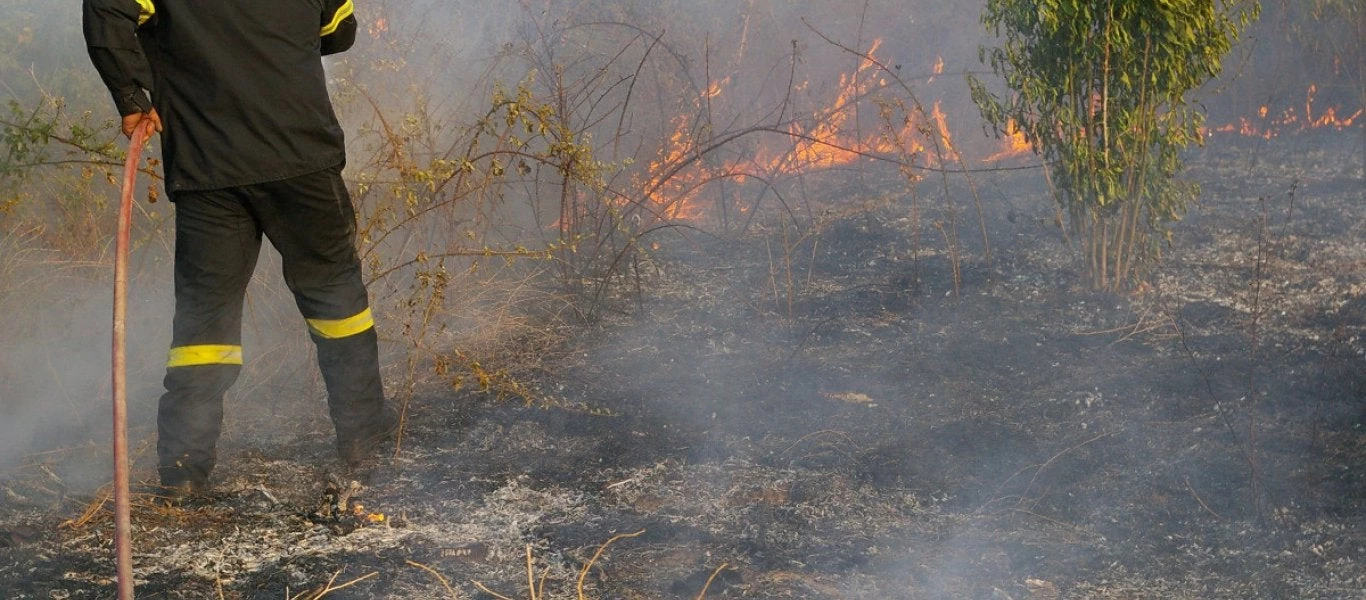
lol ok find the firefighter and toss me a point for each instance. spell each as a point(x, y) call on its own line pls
point(251, 147)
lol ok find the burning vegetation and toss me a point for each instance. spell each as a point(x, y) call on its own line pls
point(1291, 119)
point(677, 303)
point(829, 137)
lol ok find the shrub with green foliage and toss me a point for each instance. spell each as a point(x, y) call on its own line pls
point(1100, 90)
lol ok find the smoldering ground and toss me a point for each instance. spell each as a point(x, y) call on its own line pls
point(855, 409)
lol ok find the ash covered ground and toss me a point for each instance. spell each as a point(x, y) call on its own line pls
point(848, 427)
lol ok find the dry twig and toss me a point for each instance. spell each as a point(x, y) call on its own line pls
point(531, 576)
point(444, 583)
point(1059, 522)
point(1055, 457)
point(1187, 480)
point(329, 588)
point(583, 574)
point(488, 591)
point(102, 497)
point(702, 594)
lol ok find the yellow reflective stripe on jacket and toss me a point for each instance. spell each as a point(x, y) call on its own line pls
point(145, 10)
point(206, 354)
point(331, 329)
point(344, 11)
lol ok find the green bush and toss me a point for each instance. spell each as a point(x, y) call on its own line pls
point(1100, 90)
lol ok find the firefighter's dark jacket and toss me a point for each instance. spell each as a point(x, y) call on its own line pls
point(238, 84)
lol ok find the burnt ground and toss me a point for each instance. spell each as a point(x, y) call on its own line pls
point(868, 435)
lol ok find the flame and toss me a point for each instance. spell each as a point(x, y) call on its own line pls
point(827, 144)
point(828, 138)
point(936, 70)
point(1309, 103)
point(1013, 144)
point(942, 124)
point(1289, 120)
point(673, 193)
point(834, 140)
point(715, 88)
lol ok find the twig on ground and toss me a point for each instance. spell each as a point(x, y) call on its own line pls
point(1141, 326)
point(531, 576)
point(488, 591)
point(1058, 522)
point(702, 594)
point(622, 482)
point(329, 588)
point(444, 583)
point(102, 497)
point(1187, 480)
point(1055, 457)
point(828, 432)
point(583, 573)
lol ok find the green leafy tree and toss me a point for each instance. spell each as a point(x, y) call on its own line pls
point(1099, 88)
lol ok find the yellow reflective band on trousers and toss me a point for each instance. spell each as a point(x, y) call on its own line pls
point(145, 10)
point(206, 354)
point(331, 329)
point(342, 13)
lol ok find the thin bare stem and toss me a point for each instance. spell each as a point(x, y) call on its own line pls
point(583, 574)
point(444, 583)
point(702, 594)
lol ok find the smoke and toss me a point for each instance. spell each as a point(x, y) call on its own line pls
point(741, 371)
point(56, 370)
point(54, 366)
point(55, 375)
point(56, 218)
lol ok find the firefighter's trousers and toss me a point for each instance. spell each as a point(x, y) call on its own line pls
point(310, 221)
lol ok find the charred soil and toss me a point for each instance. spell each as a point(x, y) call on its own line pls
point(845, 419)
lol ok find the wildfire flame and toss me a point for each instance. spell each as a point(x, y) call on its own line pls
point(833, 140)
point(1013, 144)
point(673, 191)
point(941, 123)
point(937, 70)
point(829, 137)
point(715, 88)
point(1289, 120)
point(1265, 125)
point(832, 136)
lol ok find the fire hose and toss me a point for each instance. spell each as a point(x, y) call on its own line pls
point(122, 521)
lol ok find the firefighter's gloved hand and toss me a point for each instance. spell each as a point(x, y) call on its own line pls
point(131, 122)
